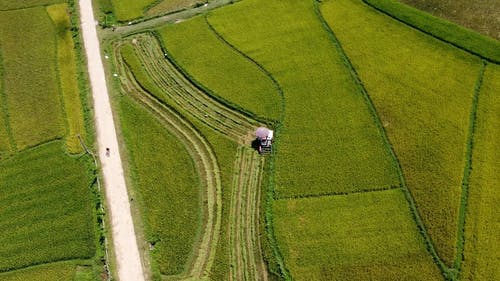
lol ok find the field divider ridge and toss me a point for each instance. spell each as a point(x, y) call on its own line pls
point(270, 193)
point(328, 194)
point(388, 145)
point(457, 263)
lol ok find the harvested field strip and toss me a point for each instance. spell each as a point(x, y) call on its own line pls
point(47, 214)
point(246, 258)
point(66, 59)
point(482, 222)
point(256, 92)
point(174, 87)
point(205, 157)
point(32, 93)
point(409, 77)
point(244, 210)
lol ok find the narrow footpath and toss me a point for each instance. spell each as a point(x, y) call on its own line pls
point(128, 261)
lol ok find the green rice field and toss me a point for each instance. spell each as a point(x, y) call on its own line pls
point(344, 240)
point(410, 76)
point(47, 191)
point(384, 159)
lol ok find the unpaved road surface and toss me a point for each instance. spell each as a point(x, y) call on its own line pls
point(124, 240)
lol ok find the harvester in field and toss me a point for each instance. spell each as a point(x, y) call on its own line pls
point(264, 140)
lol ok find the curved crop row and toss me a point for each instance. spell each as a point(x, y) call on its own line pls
point(165, 85)
point(207, 165)
point(178, 89)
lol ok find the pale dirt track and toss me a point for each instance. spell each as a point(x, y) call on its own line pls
point(128, 260)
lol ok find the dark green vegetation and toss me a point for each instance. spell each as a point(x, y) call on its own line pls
point(349, 237)
point(483, 217)
point(46, 208)
point(167, 186)
point(220, 68)
point(480, 15)
point(410, 76)
point(463, 38)
point(47, 196)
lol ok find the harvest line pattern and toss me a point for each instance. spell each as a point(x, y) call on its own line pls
point(188, 99)
point(409, 197)
point(207, 165)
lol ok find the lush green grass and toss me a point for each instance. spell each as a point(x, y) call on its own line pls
point(482, 225)
point(329, 142)
point(130, 9)
point(364, 236)
point(445, 30)
point(221, 69)
point(422, 89)
point(46, 208)
point(51, 272)
point(30, 76)
point(480, 15)
point(68, 77)
point(13, 5)
point(167, 184)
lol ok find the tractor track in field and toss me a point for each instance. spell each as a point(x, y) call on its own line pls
point(187, 96)
point(246, 258)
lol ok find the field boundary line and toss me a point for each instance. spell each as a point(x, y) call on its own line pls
point(270, 194)
point(494, 58)
point(231, 106)
point(261, 67)
point(388, 145)
point(35, 265)
point(330, 194)
point(457, 263)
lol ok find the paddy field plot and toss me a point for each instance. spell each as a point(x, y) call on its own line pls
point(363, 236)
point(47, 211)
point(410, 76)
point(48, 217)
point(166, 185)
point(338, 147)
point(220, 68)
point(482, 221)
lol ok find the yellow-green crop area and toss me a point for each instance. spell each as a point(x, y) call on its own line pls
point(410, 76)
point(221, 69)
point(384, 162)
point(47, 191)
point(483, 217)
point(363, 236)
point(164, 176)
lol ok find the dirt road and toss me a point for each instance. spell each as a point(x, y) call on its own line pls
point(128, 260)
